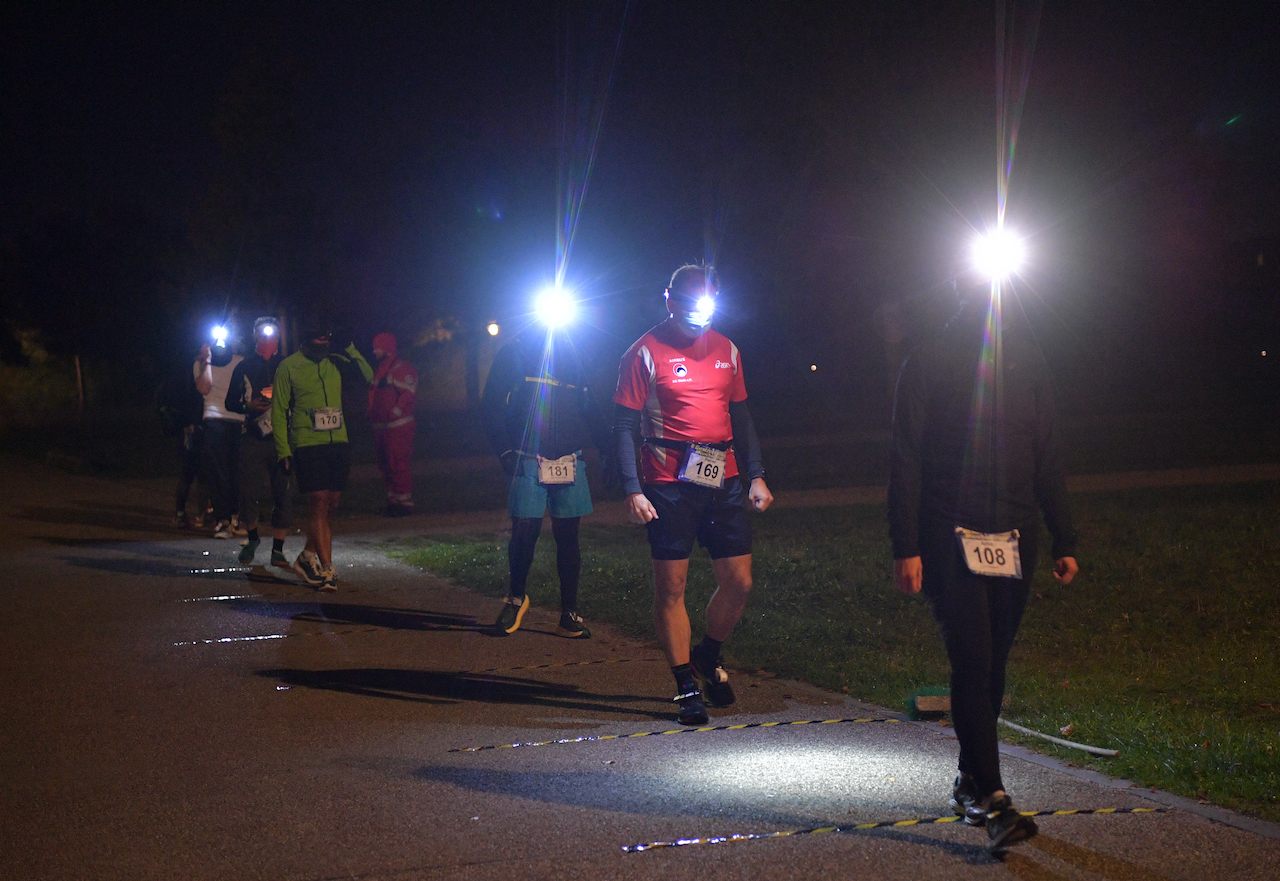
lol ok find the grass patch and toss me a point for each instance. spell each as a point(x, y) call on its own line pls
point(1167, 647)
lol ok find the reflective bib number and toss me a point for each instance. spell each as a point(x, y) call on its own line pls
point(326, 419)
point(704, 466)
point(990, 553)
point(555, 472)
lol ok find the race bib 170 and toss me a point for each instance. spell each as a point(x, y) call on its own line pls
point(326, 419)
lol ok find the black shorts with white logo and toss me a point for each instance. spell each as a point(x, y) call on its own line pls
point(322, 467)
point(715, 518)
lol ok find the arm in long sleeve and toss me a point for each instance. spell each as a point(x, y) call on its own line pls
point(281, 401)
point(905, 475)
point(626, 428)
point(407, 399)
point(236, 391)
point(1051, 478)
point(746, 445)
point(351, 355)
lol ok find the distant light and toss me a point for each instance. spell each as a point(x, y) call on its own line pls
point(1264, 353)
point(555, 307)
point(998, 254)
point(493, 328)
point(219, 335)
point(813, 367)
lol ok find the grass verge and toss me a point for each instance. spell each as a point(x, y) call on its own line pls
point(1167, 647)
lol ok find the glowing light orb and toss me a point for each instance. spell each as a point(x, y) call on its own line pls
point(493, 328)
point(555, 307)
point(220, 334)
point(998, 254)
point(813, 367)
point(704, 309)
point(268, 330)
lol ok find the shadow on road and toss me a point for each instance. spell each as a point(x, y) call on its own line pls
point(437, 686)
point(350, 613)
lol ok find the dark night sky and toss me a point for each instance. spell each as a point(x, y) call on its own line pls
point(831, 158)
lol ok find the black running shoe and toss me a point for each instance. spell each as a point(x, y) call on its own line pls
point(511, 615)
point(715, 682)
point(692, 710)
point(571, 626)
point(964, 801)
point(1006, 827)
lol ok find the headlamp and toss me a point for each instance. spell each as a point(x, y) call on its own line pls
point(998, 254)
point(555, 307)
point(220, 334)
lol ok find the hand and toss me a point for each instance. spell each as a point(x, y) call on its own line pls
point(759, 495)
point(206, 353)
point(259, 405)
point(639, 509)
point(908, 574)
point(1065, 569)
point(287, 464)
point(509, 460)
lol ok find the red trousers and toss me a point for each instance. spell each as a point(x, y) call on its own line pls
point(394, 449)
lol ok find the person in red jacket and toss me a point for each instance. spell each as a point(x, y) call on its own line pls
point(392, 397)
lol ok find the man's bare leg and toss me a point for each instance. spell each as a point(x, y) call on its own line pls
point(733, 584)
point(670, 617)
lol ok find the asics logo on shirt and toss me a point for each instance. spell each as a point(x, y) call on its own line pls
point(720, 364)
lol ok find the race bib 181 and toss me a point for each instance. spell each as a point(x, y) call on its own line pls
point(990, 553)
point(555, 472)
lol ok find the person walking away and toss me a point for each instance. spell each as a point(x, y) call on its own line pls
point(222, 431)
point(393, 395)
point(263, 480)
point(681, 386)
point(539, 416)
point(310, 431)
point(974, 463)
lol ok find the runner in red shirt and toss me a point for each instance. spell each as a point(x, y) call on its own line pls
point(681, 385)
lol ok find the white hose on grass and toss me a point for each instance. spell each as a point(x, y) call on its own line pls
point(1096, 750)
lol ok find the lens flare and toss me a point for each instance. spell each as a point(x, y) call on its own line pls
point(998, 255)
point(220, 334)
point(555, 307)
point(268, 330)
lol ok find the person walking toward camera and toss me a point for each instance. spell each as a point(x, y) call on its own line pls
point(310, 431)
point(681, 386)
point(974, 463)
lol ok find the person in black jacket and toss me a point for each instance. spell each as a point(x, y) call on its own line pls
point(974, 463)
point(262, 477)
point(538, 417)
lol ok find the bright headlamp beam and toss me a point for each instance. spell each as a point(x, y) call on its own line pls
point(268, 330)
point(998, 255)
point(555, 307)
point(705, 308)
point(220, 335)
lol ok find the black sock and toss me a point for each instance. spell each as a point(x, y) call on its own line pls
point(277, 544)
point(685, 679)
point(711, 646)
point(253, 534)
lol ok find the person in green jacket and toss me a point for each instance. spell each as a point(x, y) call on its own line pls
point(307, 403)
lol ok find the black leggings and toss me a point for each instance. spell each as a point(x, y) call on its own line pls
point(524, 536)
point(979, 617)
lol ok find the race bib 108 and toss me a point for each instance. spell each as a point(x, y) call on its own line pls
point(990, 553)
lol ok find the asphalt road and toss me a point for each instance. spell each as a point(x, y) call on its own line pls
point(164, 720)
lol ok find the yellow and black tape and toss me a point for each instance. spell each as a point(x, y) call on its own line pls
point(598, 737)
point(860, 827)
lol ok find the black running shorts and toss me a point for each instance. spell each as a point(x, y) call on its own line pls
point(715, 518)
point(322, 467)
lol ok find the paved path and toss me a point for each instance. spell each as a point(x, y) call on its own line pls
point(166, 720)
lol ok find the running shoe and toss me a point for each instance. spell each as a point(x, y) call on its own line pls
point(180, 520)
point(279, 559)
point(308, 566)
point(571, 626)
point(250, 548)
point(1005, 826)
point(237, 528)
point(692, 710)
point(223, 529)
point(511, 615)
point(715, 682)
point(330, 577)
point(964, 801)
